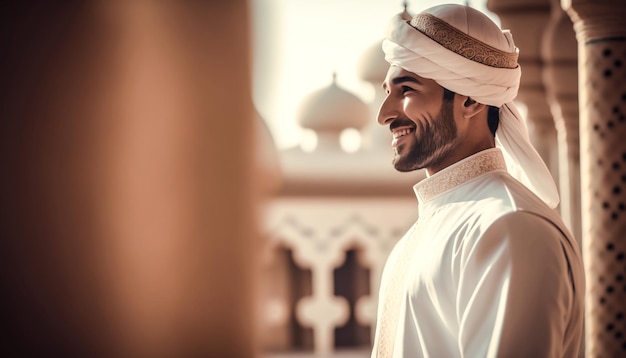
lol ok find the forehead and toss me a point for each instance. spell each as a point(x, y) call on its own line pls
point(396, 72)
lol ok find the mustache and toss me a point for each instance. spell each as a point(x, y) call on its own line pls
point(401, 122)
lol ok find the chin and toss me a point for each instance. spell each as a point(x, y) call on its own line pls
point(405, 169)
point(402, 164)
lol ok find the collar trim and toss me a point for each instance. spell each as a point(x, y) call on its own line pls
point(459, 173)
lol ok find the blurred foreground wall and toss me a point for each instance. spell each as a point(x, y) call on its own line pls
point(127, 199)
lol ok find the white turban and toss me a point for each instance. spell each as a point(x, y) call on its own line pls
point(464, 51)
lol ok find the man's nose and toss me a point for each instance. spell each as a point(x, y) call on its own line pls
point(387, 111)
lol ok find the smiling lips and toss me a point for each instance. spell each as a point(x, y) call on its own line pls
point(400, 132)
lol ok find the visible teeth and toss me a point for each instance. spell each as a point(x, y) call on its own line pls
point(401, 132)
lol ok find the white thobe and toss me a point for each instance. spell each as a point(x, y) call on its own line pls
point(488, 270)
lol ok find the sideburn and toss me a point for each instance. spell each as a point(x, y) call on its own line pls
point(448, 96)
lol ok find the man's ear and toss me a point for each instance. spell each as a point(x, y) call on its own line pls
point(471, 107)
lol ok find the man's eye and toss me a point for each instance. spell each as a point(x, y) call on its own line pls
point(405, 89)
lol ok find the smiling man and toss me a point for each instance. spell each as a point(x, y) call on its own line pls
point(488, 269)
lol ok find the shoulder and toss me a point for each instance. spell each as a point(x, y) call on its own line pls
point(521, 232)
point(513, 234)
point(499, 195)
point(525, 225)
point(518, 236)
point(522, 238)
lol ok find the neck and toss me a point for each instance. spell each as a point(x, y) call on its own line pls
point(459, 155)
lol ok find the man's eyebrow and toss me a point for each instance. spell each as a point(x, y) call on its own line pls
point(402, 79)
point(399, 80)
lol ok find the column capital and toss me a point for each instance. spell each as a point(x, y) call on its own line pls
point(596, 20)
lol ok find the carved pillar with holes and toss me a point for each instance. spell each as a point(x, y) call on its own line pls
point(601, 33)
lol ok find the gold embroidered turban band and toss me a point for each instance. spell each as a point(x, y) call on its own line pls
point(460, 43)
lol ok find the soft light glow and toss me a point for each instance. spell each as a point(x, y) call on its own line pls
point(308, 142)
point(350, 140)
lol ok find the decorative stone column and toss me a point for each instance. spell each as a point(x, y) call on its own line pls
point(559, 52)
point(600, 27)
point(527, 20)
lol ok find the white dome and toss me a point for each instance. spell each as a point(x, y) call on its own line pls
point(372, 66)
point(332, 109)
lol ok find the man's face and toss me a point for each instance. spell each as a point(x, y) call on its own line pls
point(421, 121)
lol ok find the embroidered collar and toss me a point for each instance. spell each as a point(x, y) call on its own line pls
point(460, 172)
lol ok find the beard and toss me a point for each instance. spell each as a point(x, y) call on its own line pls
point(437, 138)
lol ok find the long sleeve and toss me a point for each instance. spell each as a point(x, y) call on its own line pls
point(515, 290)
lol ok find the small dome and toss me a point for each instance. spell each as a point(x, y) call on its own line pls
point(332, 109)
point(372, 66)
